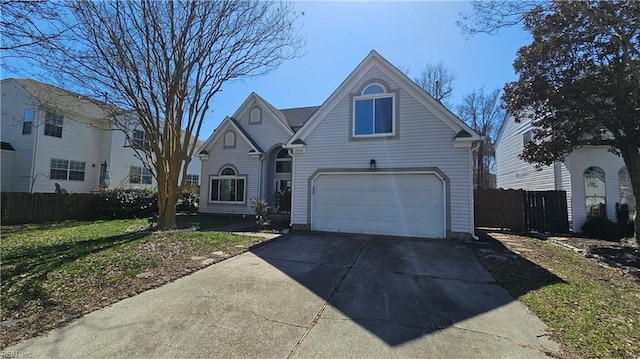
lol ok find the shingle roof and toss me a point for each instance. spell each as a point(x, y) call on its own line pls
point(63, 100)
point(296, 117)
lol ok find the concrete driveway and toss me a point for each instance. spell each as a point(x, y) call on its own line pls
point(315, 296)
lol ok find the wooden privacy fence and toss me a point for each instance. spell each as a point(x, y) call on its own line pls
point(19, 208)
point(520, 210)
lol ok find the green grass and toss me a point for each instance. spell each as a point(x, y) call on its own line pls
point(592, 308)
point(71, 267)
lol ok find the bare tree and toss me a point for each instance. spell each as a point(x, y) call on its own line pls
point(437, 80)
point(162, 62)
point(482, 111)
point(28, 23)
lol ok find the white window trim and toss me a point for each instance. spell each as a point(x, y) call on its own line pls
point(190, 182)
point(220, 177)
point(68, 170)
point(283, 159)
point(259, 120)
point(233, 136)
point(142, 174)
point(136, 141)
point(373, 97)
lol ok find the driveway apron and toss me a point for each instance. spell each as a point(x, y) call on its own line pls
point(315, 296)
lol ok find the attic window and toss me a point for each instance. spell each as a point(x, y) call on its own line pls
point(230, 140)
point(374, 113)
point(255, 116)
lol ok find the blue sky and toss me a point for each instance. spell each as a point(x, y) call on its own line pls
point(339, 35)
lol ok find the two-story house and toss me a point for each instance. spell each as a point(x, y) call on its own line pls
point(594, 178)
point(53, 136)
point(379, 156)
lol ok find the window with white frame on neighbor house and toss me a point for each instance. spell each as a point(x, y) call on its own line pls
point(138, 139)
point(53, 124)
point(374, 113)
point(140, 175)
point(595, 192)
point(67, 170)
point(27, 122)
point(192, 180)
point(527, 137)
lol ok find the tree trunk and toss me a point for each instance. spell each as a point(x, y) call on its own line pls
point(167, 208)
point(631, 157)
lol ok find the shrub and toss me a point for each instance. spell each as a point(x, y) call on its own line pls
point(127, 203)
point(601, 228)
point(189, 199)
point(261, 207)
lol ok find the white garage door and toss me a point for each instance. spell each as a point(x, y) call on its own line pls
point(410, 205)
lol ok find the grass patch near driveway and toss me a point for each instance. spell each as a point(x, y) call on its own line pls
point(52, 273)
point(590, 307)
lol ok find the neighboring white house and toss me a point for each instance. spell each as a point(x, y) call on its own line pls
point(594, 178)
point(380, 156)
point(53, 136)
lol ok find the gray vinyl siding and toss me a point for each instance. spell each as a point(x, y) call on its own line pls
point(14, 102)
point(423, 141)
point(267, 133)
point(511, 171)
point(246, 166)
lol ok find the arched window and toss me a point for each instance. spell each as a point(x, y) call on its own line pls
point(283, 161)
point(374, 112)
point(255, 116)
point(595, 192)
point(230, 140)
point(626, 192)
point(227, 187)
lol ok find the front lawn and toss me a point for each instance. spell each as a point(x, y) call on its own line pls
point(592, 308)
point(52, 273)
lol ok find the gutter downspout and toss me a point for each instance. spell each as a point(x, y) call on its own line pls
point(474, 147)
point(32, 179)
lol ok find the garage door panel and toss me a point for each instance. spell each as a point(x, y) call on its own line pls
point(390, 204)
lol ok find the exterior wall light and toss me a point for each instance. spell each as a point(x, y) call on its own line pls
point(372, 164)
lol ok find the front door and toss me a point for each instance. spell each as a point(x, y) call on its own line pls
point(283, 195)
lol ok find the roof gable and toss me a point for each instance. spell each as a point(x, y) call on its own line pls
point(254, 98)
point(375, 59)
point(217, 134)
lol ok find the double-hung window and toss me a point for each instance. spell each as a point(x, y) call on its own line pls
point(595, 192)
point(374, 113)
point(27, 122)
point(227, 187)
point(193, 180)
point(53, 124)
point(283, 161)
point(67, 170)
point(137, 139)
point(140, 175)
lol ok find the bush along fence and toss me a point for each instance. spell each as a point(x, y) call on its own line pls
point(520, 210)
point(20, 208)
